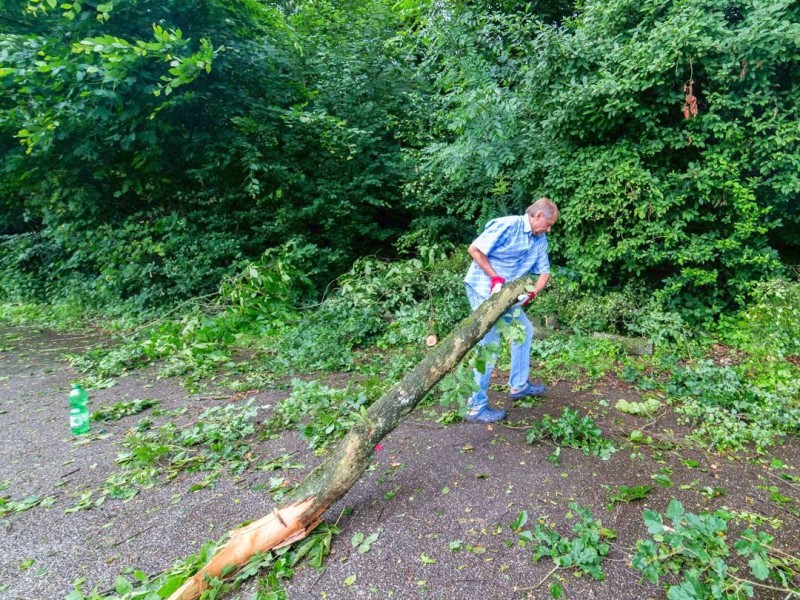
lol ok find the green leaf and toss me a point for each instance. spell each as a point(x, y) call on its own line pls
point(123, 586)
point(653, 522)
point(662, 480)
point(520, 521)
point(27, 564)
point(351, 579)
point(675, 511)
point(759, 566)
point(427, 560)
point(683, 591)
point(689, 589)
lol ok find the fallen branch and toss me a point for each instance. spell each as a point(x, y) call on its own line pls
point(303, 508)
point(634, 346)
point(629, 345)
point(538, 585)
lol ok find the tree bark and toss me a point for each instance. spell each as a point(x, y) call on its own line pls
point(303, 508)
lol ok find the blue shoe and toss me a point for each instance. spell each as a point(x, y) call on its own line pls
point(530, 389)
point(486, 415)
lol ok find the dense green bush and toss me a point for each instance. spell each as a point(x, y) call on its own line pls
point(389, 305)
point(155, 160)
point(591, 112)
point(770, 325)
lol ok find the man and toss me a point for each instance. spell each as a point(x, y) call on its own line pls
point(509, 248)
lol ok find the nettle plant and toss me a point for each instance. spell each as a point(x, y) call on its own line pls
point(695, 548)
point(576, 356)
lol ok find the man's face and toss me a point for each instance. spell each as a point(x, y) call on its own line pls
point(540, 224)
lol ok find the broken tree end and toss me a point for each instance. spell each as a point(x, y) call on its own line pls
point(279, 528)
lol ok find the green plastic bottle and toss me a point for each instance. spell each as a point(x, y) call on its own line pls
point(78, 411)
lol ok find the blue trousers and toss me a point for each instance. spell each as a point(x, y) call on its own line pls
point(520, 354)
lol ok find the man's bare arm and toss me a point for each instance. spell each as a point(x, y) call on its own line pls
point(541, 282)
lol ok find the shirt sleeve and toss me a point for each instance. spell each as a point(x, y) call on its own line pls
point(542, 264)
point(492, 236)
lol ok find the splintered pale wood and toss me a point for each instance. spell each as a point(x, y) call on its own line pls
point(303, 508)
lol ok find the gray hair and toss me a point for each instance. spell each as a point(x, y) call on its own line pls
point(546, 206)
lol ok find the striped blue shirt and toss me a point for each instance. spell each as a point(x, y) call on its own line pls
point(513, 252)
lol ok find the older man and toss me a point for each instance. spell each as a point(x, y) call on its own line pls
point(509, 248)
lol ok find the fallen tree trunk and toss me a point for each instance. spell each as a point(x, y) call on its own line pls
point(303, 508)
point(629, 345)
point(634, 346)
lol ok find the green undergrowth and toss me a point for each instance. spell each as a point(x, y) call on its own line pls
point(217, 441)
point(272, 569)
point(740, 389)
point(584, 552)
point(119, 410)
point(573, 430)
point(59, 317)
point(697, 551)
point(575, 357)
point(735, 382)
point(375, 320)
point(322, 414)
point(732, 407)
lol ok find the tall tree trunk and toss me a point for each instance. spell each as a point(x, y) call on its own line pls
point(302, 509)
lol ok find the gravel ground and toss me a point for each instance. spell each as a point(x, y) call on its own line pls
point(429, 486)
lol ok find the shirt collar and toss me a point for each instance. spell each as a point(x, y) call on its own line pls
point(526, 225)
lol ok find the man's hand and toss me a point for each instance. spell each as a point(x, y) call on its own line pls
point(496, 284)
point(526, 298)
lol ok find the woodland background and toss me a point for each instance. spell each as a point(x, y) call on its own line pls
point(239, 193)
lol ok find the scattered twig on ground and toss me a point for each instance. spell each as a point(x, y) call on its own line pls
point(616, 547)
point(130, 537)
point(780, 508)
point(163, 317)
point(654, 420)
point(791, 485)
point(426, 424)
point(768, 587)
point(538, 585)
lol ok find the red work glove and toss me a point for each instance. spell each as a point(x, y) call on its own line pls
point(496, 284)
point(526, 298)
